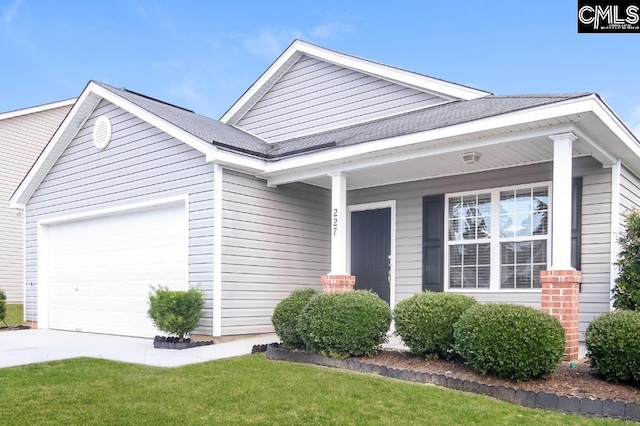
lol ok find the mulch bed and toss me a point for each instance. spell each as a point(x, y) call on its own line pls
point(579, 382)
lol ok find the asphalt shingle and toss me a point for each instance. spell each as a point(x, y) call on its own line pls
point(229, 137)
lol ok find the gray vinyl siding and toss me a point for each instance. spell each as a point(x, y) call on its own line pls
point(629, 192)
point(314, 95)
point(596, 246)
point(22, 138)
point(595, 221)
point(275, 240)
point(141, 163)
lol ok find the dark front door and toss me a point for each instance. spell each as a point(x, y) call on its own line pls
point(370, 250)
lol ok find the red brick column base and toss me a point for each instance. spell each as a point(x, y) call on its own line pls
point(337, 283)
point(561, 299)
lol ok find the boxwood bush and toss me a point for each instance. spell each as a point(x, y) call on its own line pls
point(510, 341)
point(425, 321)
point(3, 306)
point(613, 345)
point(339, 325)
point(285, 317)
point(176, 312)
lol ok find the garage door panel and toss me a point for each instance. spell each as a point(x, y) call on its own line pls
point(101, 270)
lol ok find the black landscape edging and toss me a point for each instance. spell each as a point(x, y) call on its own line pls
point(162, 342)
point(14, 327)
point(548, 401)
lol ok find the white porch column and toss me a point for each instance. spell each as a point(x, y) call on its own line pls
point(338, 224)
point(561, 208)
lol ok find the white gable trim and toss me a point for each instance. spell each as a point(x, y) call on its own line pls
point(400, 76)
point(66, 132)
point(39, 108)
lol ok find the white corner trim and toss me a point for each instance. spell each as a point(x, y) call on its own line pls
point(42, 290)
point(615, 226)
point(374, 206)
point(24, 265)
point(217, 249)
point(35, 109)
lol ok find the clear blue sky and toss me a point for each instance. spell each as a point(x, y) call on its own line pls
point(204, 54)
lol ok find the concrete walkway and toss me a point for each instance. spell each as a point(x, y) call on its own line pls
point(31, 346)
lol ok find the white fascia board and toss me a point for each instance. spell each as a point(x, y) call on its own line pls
point(429, 84)
point(64, 135)
point(611, 120)
point(344, 154)
point(391, 73)
point(264, 78)
point(39, 108)
point(236, 161)
point(30, 182)
point(414, 154)
point(172, 130)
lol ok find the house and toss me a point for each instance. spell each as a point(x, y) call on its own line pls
point(23, 135)
point(328, 166)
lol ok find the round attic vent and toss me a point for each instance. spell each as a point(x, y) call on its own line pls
point(102, 132)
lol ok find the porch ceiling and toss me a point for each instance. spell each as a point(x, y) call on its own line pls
point(497, 156)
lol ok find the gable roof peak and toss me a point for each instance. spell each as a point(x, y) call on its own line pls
point(299, 48)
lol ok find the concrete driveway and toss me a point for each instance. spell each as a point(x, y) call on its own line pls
point(30, 346)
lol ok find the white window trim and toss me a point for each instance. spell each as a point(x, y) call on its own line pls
point(494, 284)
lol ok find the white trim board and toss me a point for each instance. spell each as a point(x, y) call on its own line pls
point(615, 227)
point(217, 249)
point(375, 206)
point(400, 76)
point(495, 240)
point(39, 108)
point(42, 290)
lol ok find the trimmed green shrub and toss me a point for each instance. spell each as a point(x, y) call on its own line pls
point(510, 341)
point(425, 321)
point(339, 325)
point(176, 312)
point(626, 293)
point(285, 317)
point(613, 345)
point(3, 306)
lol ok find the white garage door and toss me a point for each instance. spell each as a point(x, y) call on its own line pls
point(101, 269)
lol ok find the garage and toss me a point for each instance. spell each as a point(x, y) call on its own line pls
point(99, 269)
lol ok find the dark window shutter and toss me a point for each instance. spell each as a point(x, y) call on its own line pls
point(433, 243)
point(576, 223)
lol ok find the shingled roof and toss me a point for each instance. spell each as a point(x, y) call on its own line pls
point(232, 138)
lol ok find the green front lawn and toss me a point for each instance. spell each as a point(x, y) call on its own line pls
point(14, 315)
point(246, 390)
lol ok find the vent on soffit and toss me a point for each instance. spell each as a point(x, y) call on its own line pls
point(102, 132)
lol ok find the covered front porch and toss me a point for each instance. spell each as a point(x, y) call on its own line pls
point(448, 215)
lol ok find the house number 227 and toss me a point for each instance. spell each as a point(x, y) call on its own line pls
point(335, 221)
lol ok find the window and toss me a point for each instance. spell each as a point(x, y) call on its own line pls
point(497, 239)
